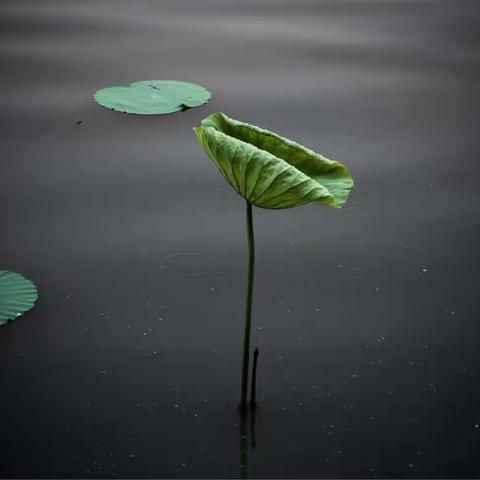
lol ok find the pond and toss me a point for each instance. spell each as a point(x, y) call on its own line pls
point(366, 318)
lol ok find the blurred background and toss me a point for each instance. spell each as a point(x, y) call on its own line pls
point(366, 317)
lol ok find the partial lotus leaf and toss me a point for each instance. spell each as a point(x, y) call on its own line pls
point(151, 97)
point(17, 295)
point(270, 171)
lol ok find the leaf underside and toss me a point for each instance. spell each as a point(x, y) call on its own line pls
point(17, 296)
point(152, 97)
point(270, 171)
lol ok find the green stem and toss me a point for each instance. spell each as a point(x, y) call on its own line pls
point(248, 307)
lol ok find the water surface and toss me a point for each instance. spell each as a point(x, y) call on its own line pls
point(366, 318)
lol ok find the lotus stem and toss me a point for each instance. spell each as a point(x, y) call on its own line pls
point(248, 307)
point(253, 388)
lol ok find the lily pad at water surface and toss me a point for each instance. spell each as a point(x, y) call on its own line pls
point(153, 97)
point(17, 296)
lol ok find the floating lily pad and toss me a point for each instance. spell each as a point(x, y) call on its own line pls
point(152, 97)
point(17, 296)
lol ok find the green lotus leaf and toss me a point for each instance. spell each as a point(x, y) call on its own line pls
point(270, 171)
point(17, 296)
point(151, 97)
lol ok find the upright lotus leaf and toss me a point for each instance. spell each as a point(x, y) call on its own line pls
point(17, 296)
point(151, 97)
point(270, 171)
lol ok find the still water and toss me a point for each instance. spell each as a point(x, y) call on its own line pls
point(366, 318)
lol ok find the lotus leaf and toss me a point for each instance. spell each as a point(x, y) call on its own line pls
point(17, 295)
point(270, 171)
point(151, 97)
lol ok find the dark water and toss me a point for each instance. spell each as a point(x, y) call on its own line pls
point(366, 318)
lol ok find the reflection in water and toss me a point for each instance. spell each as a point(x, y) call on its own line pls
point(243, 445)
point(253, 441)
point(253, 391)
point(244, 433)
point(244, 413)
